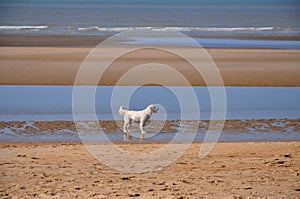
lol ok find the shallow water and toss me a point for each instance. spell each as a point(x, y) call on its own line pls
point(150, 137)
point(44, 114)
point(28, 103)
point(217, 42)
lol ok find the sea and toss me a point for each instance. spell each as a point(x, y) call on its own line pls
point(252, 24)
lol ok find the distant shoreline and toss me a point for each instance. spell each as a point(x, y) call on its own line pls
point(31, 40)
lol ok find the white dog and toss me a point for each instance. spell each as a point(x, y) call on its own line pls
point(137, 116)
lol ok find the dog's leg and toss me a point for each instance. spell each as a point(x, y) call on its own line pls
point(125, 135)
point(125, 127)
point(128, 127)
point(142, 124)
point(127, 122)
point(126, 130)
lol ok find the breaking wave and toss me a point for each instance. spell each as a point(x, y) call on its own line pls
point(120, 29)
point(22, 27)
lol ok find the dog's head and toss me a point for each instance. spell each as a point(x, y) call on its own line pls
point(153, 108)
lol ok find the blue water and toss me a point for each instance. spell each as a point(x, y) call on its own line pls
point(106, 18)
point(205, 18)
point(44, 103)
point(55, 102)
point(217, 42)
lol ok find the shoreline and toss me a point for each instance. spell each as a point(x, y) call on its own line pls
point(250, 130)
point(90, 41)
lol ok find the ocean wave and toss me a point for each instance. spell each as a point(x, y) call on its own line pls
point(112, 29)
point(22, 27)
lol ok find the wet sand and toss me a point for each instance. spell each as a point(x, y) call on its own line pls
point(93, 40)
point(35, 63)
point(171, 126)
point(252, 130)
point(231, 170)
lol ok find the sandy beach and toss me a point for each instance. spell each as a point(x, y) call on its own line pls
point(67, 170)
point(231, 170)
point(228, 124)
point(43, 65)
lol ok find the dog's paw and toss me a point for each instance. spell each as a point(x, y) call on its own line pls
point(142, 134)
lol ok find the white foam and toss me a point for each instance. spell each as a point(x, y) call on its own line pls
point(21, 27)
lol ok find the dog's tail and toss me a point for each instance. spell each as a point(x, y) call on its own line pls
point(122, 110)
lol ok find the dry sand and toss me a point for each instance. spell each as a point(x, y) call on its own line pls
point(231, 170)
